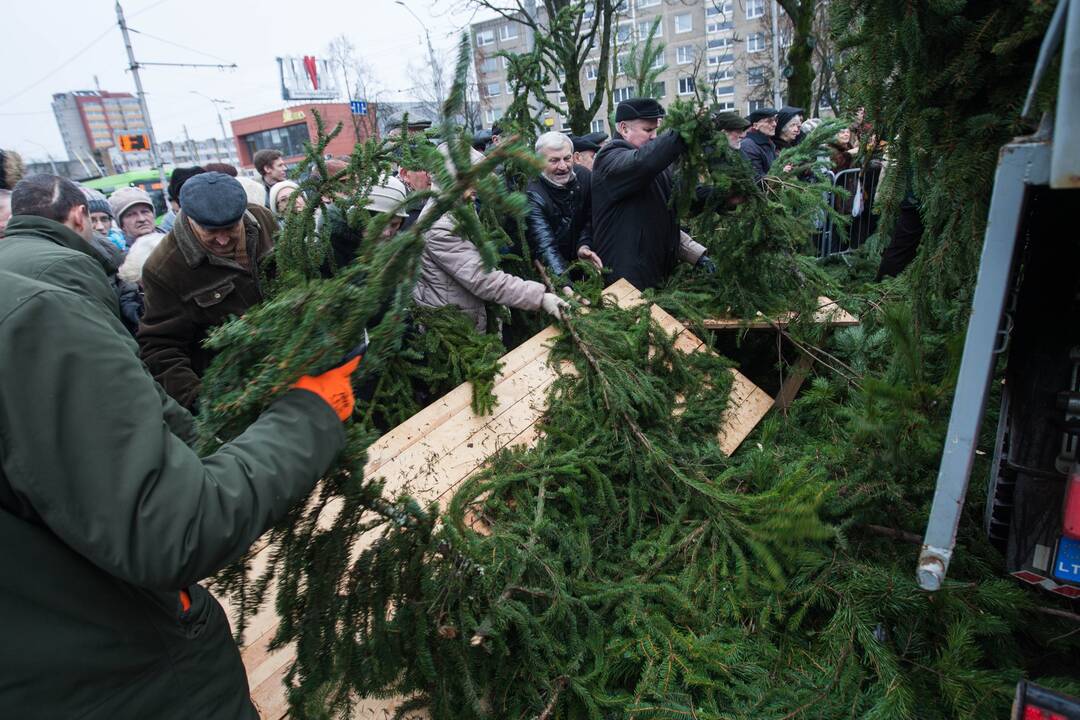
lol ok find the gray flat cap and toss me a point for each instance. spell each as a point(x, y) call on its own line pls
point(213, 199)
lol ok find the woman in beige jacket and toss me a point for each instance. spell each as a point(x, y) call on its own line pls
point(452, 272)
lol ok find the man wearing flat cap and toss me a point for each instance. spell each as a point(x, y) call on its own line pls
point(205, 270)
point(758, 146)
point(732, 124)
point(584, 151)
point(635, 227)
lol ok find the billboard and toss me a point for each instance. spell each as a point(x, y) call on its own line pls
point(306, 78)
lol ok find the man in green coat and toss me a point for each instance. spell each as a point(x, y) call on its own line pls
point(107, 518)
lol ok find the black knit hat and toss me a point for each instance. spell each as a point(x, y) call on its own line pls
point(596, 137)
point(760, 114)
point(180, 176)
point(783, 117)
point(98, 205)
point(638, 109)
point(213, 199)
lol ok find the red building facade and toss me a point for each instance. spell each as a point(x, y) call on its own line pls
point(287, 130)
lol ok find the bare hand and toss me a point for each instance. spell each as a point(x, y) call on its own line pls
point(584, 253)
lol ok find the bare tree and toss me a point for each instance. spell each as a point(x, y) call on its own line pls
point(567, 34)
point(358, 81)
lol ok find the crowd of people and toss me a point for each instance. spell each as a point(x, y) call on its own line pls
point(103, 314)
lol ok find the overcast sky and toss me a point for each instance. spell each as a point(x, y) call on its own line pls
point(43, 37)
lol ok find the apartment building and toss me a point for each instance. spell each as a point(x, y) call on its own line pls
point(90, 122)
point(719, 48)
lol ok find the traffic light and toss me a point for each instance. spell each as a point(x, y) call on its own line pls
point(133, 143)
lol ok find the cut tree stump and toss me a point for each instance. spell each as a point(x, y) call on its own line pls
point(433, 452)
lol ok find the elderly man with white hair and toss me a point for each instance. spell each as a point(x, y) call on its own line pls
point(559, 225)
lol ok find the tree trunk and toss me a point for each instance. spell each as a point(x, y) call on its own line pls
point(800, 81)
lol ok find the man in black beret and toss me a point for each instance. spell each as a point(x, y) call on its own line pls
point(635, 228)
point(584, 151)
point(205, 270)
point(758, 145)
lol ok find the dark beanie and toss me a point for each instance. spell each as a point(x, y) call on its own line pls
point(783, 117)
point(638, 109)
point(583, 144)
point(98, 205)
point(213, 199)
point(180, 176)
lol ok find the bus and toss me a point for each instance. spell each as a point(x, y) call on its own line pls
point(148, 180)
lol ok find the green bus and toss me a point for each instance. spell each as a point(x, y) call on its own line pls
point(148, 180)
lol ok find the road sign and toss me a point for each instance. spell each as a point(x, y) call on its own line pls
point(359, 107)
point(134, 143)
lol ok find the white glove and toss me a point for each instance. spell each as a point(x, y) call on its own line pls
point(552, 304)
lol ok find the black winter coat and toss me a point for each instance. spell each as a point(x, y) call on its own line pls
point(635, 228)
point(559, 219)
point(760, 151)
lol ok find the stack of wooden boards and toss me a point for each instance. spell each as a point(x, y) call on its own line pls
point(430, 454)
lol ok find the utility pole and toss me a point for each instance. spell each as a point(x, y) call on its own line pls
point(134, 67)
point(191, 146)
point(436, 68)
point(777, 102)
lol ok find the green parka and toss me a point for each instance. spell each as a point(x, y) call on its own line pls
point(105, 513)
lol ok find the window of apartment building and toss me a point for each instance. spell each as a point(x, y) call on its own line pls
point(686, 86)
point(485, 37)
point(752, 105)
point(589, 11)
point(623, 93)
point(755, 42)
point(489, 65)
point(493, 89)
point(647, 3)
point(645, 26)
point(596, 126)
point(718, 75)
point(620, 64)
point(506, 63)
point(623, 32)
point(684, 54)
point(755, 75)
point(493, 114)
point(725, 105)
point(724, 90)
point(718, 7)
point(719, 26)
point(754, 9)
point(622, 7)
point(658, 61)
point(720, 44)
point(659, 89)
point(684, 23)
point(591, 72)
point(508, 31)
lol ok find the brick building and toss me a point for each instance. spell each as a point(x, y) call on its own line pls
point(90, 122)
point(288, 129)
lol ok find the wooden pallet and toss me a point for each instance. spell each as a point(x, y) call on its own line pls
point(434, 451)
point(827, 313)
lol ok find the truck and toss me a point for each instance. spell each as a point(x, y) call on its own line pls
point(1025, 316)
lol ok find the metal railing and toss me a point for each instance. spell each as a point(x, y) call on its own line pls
point(861, 190)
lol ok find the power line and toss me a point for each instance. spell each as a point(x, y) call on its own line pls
point(174, 44)
point(58, 68)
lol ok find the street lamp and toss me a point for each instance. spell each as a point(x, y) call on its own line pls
point(216, 102)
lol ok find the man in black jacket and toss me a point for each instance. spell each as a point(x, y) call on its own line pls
point(635, 227)
point(560, 211)
point(758, 146)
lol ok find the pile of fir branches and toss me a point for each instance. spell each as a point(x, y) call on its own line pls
point(624, 567)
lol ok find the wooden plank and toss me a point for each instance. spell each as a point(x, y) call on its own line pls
point(433, 452)
point(790, 387)
point(828, 312)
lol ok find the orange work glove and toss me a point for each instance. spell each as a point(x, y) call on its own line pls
point(334, 386)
